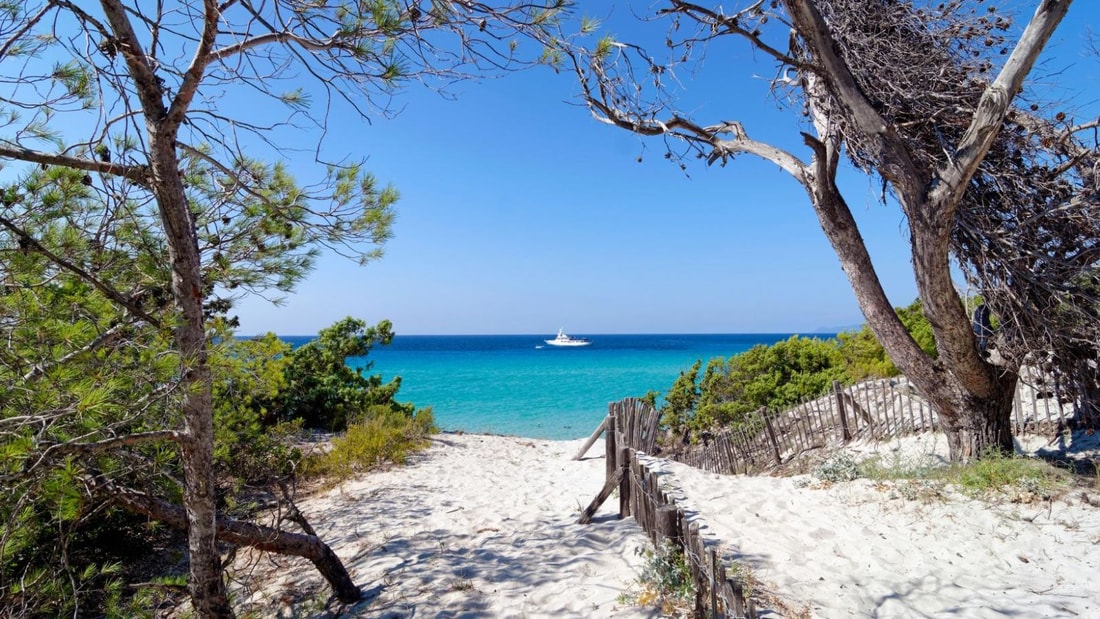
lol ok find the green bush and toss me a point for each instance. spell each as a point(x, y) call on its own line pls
point(324, 391)
point(730, 391)
point(776, 376)
point(665, 580)
point(382, 436)
point(865, 358)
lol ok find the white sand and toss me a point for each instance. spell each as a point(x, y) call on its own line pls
point(478, 526)
point(483, 526)
point(867, 549)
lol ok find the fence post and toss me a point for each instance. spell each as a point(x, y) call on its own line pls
point(611, 444)
point(845, 433)
point(771, 435)
point(713, 574)
point(592, 439)
point(668, 525)
point(625, 484)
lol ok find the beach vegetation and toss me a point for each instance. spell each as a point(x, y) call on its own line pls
point(131, 220)
point(866, 358)
point(326, 390)
point(993, 192)
point(664, 580)
point(680, 401)
point(1019, 478)
point(1023, 479)
point(380, 435)
point(731, 389)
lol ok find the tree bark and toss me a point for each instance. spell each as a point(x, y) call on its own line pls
point(207, 587)
point(984, 425)
point(972, 396)
point(244, 534)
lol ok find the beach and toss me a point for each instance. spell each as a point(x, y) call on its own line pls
point(476, 526)
point(484, 526)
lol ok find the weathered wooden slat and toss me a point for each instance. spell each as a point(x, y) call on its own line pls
point(611, 448)
point(772, 438)
point(608, 488)
point(592, 439)
point(625, 481)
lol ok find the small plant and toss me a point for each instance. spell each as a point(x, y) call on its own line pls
point(383, 436)
point(1009, 474)
point(461, 585)
point(665, 580)
point(743, 574)
point(838, 468)
point(923, 490)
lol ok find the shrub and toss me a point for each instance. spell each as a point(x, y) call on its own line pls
point(775, 376)
point(665, 579)
point(996, 472)
point(382, 436)
point(838, 468)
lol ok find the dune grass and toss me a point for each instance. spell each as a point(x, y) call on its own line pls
point(377, 439)
point(993, 474)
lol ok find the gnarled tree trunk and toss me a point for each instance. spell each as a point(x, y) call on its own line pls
point(244, 534)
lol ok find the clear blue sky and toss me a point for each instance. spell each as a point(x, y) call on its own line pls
point(521, 214)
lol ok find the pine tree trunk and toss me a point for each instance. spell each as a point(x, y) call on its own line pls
point(208, 592)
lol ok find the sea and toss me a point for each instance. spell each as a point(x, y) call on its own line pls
point(518, 385)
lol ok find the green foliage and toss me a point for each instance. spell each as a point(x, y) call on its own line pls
point(864, 356)
point(730, 391)
point(923, 477)
point(382, 435)
point(838, 468)
point(665, 579)
point(996, 472)
point(80, 367)
point(249, 389)
point(681, 399)
point(323, 391)
point(918, 327)
point(776, 376)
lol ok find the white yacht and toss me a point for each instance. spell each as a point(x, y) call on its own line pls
point(564, 340)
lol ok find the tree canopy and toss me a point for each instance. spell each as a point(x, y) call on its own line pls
point(155, 118)
point(921, 96)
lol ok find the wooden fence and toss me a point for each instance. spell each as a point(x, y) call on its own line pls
point(876, 409)
point(630, 429)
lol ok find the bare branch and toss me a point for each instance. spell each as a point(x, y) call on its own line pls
point(134, 173)
point(994, 106)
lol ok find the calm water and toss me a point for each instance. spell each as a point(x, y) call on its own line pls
point(514, 384)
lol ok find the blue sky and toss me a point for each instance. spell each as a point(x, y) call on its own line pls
point(521, 214)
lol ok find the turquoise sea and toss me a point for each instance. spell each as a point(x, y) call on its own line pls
point(517, 385)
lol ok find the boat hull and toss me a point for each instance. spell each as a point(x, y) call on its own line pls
point(574, 342)
point(564, 340)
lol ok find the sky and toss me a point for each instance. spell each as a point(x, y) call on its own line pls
point(520, 213)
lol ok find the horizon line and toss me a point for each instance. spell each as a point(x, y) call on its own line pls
point(584, 333)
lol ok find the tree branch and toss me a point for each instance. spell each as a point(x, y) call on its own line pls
point(98, 447)
point(193, 75)
point(109, 292)
point(241, 533)
point(149, 86)
point(138, 174)
point(898, 164)
point(18, 34)
point(993, 108)
point(101, 339)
